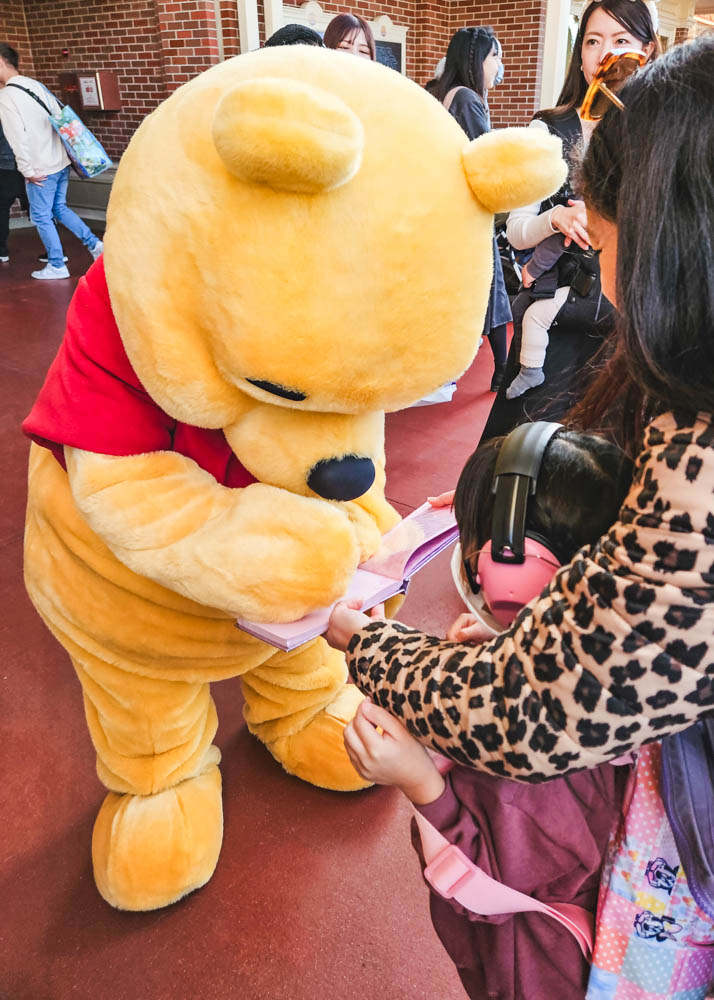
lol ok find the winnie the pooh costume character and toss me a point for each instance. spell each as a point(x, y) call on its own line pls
point(297, 241)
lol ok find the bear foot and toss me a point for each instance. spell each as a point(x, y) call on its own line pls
point(150, 850)
point(317, 753)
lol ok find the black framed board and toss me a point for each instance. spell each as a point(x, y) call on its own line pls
point(389, 54)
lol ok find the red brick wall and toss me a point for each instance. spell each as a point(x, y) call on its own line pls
point(13, 30)
point(188, 39)
point(431, 37)
point(121, 36)
point(229, 26)
point(155, 45)
point(520, 27)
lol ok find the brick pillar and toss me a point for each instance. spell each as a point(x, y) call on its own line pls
point(13, 30)
point(188, 37)
point(432, 33)
point(229, 24)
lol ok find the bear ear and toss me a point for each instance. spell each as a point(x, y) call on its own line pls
point(512, 167)
point(287, 135)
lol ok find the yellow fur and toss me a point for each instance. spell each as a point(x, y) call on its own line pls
point(294, 217)
point(513, 167)
point(287, 135)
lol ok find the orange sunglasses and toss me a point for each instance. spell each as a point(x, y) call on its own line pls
point(613, 72)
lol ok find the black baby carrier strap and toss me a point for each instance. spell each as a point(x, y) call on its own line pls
point(577, 268)
point(567, 128)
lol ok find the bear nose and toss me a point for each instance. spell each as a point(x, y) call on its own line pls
point(341, 478)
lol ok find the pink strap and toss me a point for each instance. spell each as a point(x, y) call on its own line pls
point(450, 873)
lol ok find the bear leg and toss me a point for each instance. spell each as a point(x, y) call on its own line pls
point(158, 833)
point(298, 705)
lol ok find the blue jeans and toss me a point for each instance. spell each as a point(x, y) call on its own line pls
point(48, 202)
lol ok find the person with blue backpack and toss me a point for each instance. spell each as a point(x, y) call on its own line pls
point(43, 162)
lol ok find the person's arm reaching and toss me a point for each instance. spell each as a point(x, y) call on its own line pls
point(382, 750)
point(616, 652)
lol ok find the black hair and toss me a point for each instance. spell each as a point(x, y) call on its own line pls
point(464, 61)
point(648, 170)
point(432, 87)
point(582, 482)
point(9, 55)
point(635, 18)
point(294, 34)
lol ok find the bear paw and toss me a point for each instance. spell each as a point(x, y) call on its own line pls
point(317, 753)
point(150, 850)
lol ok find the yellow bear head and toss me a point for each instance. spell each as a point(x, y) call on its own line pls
point(299, 219)
point(308, 230)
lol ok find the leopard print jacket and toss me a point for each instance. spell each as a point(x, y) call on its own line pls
point(617, 651)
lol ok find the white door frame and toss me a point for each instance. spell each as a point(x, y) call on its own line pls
point(248, 25)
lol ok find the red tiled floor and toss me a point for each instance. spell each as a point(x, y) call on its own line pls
point(316, 894)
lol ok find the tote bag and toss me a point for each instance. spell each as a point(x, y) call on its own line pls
point(85, 151)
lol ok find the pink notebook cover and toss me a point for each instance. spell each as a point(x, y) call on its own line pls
point(404, 551)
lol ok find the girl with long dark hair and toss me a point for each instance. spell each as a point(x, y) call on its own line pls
point(473, 60)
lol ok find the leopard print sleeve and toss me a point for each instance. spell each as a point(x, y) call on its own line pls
point(617, 651)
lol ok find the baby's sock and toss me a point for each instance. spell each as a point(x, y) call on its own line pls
point(527, 378)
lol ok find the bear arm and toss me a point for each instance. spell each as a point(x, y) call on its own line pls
point(259, 552)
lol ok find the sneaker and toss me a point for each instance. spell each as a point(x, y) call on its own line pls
point(49, 273)
point(4, 257)
point(97, 250)
point(43, 258)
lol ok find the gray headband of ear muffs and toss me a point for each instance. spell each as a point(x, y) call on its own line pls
point(514, 481)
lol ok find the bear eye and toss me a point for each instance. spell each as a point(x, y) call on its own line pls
point(277, 390)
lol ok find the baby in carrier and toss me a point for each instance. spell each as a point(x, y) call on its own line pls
point(549, 275)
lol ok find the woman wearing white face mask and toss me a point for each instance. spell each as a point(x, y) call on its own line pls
point(570, 317)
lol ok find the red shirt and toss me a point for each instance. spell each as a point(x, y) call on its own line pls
point(93, 400)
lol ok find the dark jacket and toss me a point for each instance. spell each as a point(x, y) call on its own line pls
point(7, 159)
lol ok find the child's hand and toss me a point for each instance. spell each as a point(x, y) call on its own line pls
point(526, 279)
point(467, 628)
point(346, 619)
point(443, 500)
point(391, 757)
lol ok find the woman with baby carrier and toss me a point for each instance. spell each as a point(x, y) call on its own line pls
point(562, 318)
point(617, 651)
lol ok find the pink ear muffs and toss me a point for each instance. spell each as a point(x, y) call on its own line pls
point(507, 587)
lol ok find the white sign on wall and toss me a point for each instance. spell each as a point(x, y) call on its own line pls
point(89, 91)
